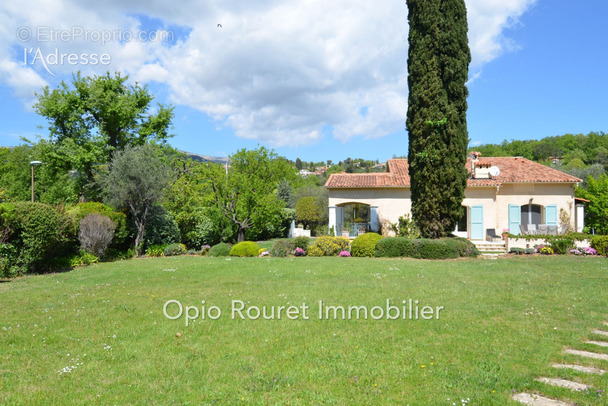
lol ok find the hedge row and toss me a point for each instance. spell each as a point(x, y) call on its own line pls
point(425, 249)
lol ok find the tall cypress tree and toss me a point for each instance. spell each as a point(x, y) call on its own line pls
point(438, 65)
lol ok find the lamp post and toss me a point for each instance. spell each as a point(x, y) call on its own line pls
point(32, 164)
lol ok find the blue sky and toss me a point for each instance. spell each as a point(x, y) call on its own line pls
point(310, 79)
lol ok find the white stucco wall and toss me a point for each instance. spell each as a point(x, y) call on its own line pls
point(561, 195)
point(392, 203)
point(395, 202)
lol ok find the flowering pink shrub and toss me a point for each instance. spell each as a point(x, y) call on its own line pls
point(344, 254)
point(299, 252)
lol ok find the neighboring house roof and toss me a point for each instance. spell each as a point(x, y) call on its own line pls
point(512, 170)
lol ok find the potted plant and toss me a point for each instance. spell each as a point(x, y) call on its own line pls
point(505, 233)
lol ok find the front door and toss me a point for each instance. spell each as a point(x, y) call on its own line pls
point(477, 223)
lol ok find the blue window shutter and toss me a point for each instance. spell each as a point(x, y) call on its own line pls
point(514, 219)
point(551, 215)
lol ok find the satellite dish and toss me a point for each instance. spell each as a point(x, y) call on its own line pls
point(494, 171)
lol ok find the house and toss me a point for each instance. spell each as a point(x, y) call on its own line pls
point(502, 193)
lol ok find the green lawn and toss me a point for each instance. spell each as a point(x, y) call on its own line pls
point(99, 335)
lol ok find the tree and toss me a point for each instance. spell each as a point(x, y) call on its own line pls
point(136, 181)
point(308, 211)
point(596, 211)
point(299, 164)
point(97, 116)
point(245, 194)
point(285, 193)
point(438, 62)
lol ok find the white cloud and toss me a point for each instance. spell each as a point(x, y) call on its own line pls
point(279, 72)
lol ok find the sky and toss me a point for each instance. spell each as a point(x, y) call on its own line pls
point(312, 79)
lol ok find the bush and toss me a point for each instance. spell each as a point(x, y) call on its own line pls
point(282, 248)
point(328, 246)
point(36, 233)
point(437, 249)
point(83, 259)
point(600, 243)
point(205, 249)
point(160, 228)
point(392, 247)
point(95, 234)
point(365, 245)
point(81, 210)
point(425, 249)
point(301, 242)
point(245, 249)
point(155, 250)
point(529, 251)
point(516, 250)
point(299, 252)
point(465, 247)
point(546, 250)
point(175, 249)
point(562, 245)
point(219, 250)
point(344, 254)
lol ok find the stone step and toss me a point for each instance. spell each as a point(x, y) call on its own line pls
point(563, 383)
point(580, 368)
point(536, 400)
point(600, 332)
point(587, 354)
point(598, 343)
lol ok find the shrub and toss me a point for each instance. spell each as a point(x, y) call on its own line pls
point(529, 250)
point(81, 210)
point(263, 252)
point(328, 246)
point(220, 250)
point(245, 249)
point(600, 244)
point(516, 250)
point(407, 227)
point(424, 248)
point(282, 248)
point(393, 247)
point(299, 252)
point(344, 254)
point(301, 242)
point(546, 250)
point(160, 228)
point(365, 244)
point(562, 245)
point(465, 247)
point(437, 249)
point(95, 234)
point(83, 259)
point(205, 249)
point(175, 249)
point(156, 250)
point(37, 234)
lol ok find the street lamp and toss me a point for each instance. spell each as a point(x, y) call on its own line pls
point(32, 164)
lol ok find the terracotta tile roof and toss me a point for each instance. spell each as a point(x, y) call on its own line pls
point(512, 170)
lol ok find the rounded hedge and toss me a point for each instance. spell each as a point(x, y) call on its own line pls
point(425, 248)
point(245, 249)
point(219, 250)
point(392, 247)
point(365, 245)
point(328, 246)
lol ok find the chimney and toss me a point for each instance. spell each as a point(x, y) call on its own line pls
point(474, 157)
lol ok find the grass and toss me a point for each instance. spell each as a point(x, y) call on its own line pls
point(98, 334)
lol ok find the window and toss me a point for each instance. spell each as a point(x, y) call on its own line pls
point(531, 214)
